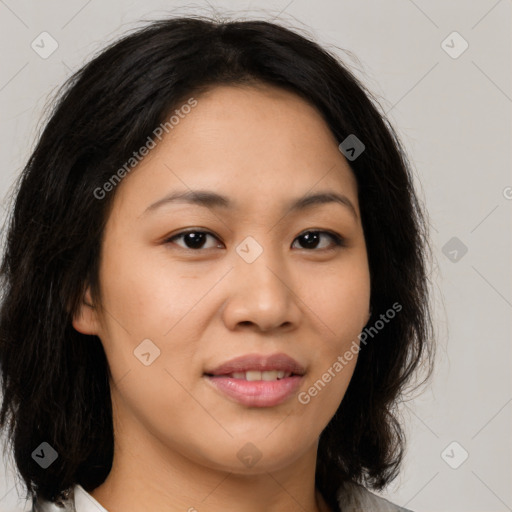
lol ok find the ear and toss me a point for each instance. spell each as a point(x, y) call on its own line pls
point(86, 318)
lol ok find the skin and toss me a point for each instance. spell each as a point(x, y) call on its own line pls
point(177, 437)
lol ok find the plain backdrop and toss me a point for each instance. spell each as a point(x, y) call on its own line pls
point(449, 97)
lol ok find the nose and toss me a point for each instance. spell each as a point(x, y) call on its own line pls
point(261, 295)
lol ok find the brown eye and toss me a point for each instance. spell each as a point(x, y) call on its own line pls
point(193, 239)
point(311, 239)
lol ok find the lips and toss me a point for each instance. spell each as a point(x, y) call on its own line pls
point(256, 380)
point(258, 367)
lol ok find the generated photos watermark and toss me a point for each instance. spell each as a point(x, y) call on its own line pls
point(304, 397)
point(158, 133)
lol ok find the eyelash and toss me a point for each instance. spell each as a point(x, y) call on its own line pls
point(338, 240)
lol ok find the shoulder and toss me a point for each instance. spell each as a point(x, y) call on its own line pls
point(353, 497)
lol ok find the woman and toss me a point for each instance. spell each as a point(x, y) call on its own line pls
point(215, 285)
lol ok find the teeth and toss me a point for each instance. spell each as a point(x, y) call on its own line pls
point(253, 375)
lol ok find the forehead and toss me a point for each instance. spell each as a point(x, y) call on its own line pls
point(247, 143)
point(247, 115)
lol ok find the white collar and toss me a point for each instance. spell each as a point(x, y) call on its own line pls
point(84, 502)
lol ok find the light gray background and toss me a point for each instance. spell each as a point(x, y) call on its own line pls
point(453, 115)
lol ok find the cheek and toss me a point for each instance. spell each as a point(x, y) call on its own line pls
point(146, 296)
point(145, 302)
point(340, 303)
point(340, 298)
point(149, 336)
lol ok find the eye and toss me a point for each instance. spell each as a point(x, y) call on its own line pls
point(310, 239)
point(194, 239)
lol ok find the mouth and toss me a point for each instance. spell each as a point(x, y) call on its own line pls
point(257, 381)
point(256, 375)
point(258, 367)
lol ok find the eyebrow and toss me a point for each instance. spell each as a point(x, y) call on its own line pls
point(210, 199)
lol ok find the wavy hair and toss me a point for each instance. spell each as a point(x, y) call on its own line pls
point(55, 380)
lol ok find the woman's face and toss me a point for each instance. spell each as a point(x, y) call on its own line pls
point(176, 306)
